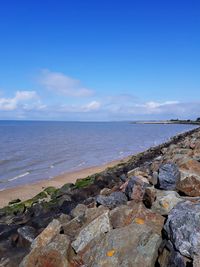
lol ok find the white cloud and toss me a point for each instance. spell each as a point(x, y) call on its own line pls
point(9, 104)
point(90, 107)
point(153, 107)
point(62, 84)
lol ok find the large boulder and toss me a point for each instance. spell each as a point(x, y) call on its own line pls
point(183, 228)
point(91, 231)
point(189, 182)
point(50, 248)
point(168, 176)
point(138, 213)
point(135, 188)
point(190, 166)
point(54, 254)
point(113, 200)
point(47, 234)
point(189, 185)
point(165, 201)
point(135, 245)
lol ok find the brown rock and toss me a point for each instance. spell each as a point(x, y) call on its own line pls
point(49, 248)
point(190, 166)
point(190, 185)
point(47, 234)
point(136, 212)
point(54, 254)
point(143, 215)
point(105, 191)
point(119, 215)
point(149, 196)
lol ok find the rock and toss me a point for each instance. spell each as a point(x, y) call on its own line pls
point(172, 258)
point(123, 178)
point(165, 202)
point(67, 206)
point(135, 212)
point(135, 188)
point(196, 261)
point(183, 228)
point(14, 201)
point(93, 213)
point(94, 229)
point(26, 235)
point(149, 196)
point(105, 192)
point(140, 174)
point(132, 245)
point(119, 215)
point(189, 185)
point(113, 200)
point(53, 254)
point(64, 218)
point(7, 230)
point(48, 234)
point(168, 176)
point(142, 215)
point(189, 182)
point(79, 210)
point(190, 166)
point(73, 227)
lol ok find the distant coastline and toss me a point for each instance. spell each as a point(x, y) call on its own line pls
point(189, 122)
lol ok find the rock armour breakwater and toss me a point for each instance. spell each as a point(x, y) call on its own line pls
point(143, 212)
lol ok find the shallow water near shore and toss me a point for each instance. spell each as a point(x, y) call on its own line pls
point(33, 151)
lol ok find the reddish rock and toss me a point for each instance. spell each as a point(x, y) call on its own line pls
point(190, 166)
point(54, 254)
point(190, 186)
point(49, 249)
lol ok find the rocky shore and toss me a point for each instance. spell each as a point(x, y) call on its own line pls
point(143, 212)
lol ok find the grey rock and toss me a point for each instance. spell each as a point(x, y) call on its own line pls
point(123, 178)
point(79, 210)
point(165, 201)
point(133, 245)
point(183, 228)
point(113, 200)
point(168, 176)
point(27, 233)
point(94, 229)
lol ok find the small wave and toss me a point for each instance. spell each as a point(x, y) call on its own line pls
point(2, 189)
point(81, 164)
point(18, 176)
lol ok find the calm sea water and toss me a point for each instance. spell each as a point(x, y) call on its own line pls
point(31, 151)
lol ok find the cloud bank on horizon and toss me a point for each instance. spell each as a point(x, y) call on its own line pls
point(66, 99)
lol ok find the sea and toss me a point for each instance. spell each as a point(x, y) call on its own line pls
point(31, 151)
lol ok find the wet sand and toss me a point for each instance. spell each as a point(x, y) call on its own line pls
point(28, 191)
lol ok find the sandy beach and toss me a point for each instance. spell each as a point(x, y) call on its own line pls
point(28, 191)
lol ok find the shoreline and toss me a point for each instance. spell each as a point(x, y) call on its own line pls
point(28, 191)
point(183, 122)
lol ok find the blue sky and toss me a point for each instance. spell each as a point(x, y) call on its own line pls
point(99, 60)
